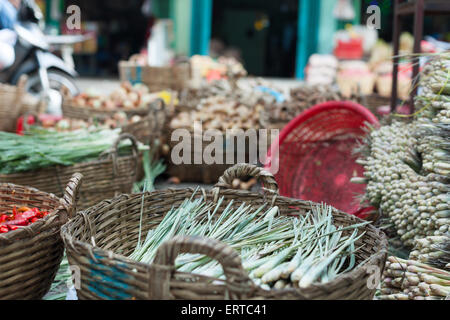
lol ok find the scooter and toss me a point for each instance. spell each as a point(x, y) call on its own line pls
point(46, 72)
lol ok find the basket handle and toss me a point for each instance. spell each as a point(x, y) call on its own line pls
point(237, 280)
point(21, 85)
point(244, 170)
point(125, 136)
point(65, 92)
point(114, 151)
point(71, 193)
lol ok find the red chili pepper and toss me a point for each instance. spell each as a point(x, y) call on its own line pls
point(23, 209)
point(16, 222)
point(27, 215)
point(23, 216)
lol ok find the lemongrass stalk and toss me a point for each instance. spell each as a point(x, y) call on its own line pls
point(439, 290)
point(292, 265)
point(395, 296)
point(313, 273)
point(272, 263)
point(433, 280)
point(274, 274)
point(280, 284)
point(254, 264)
point(297, 275)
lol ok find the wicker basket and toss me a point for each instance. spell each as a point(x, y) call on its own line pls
point(200, 173)
point(104, 178)
point(150, 127)
point(73, 111)
point(99, 240)
point(204, 172)
point(70, 110)
point(156, 78)
point(146, 130)
point(11, 104)
point(30, 256)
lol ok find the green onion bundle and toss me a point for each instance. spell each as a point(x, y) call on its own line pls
point(277, 251)
point(42, 148)
point(152, 169)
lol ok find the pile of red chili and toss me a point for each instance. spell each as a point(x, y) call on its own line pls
point(21, 217)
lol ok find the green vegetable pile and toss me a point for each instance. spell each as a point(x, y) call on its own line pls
point(41, 148)
point(277, 251)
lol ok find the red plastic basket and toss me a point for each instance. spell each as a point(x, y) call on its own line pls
point(315, 160)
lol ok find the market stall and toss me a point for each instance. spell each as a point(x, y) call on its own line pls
point(191, 179)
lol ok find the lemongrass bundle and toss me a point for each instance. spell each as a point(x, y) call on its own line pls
point(434, 251)
point(407, 165)
point(277, 251)
point(413, 280)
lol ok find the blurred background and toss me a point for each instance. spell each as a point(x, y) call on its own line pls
point(271, 38)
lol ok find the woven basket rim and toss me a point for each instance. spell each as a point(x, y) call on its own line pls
point(353, 274)
point(68, 102)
